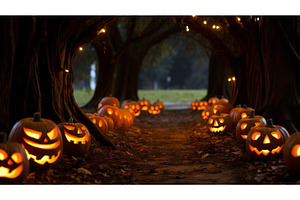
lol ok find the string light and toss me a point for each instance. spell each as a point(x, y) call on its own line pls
point(205, 22)
point(80, 48)
point(187, 28)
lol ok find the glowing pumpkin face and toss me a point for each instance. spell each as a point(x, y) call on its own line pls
point(134, 106)
point(154, 109)
point(100, 122)
point(213, 100)
point(266, 141)
point(112, 101)
point(160, 104)
point(40, 138)
point(221, 123)
point(207, 113)
point(113, 113)
point(194, 105)
point(144, 104)
point(239, 113)
point(246, 124)
point(127, 119)
point(14, 165)
point(76, 137)
point(291, 152)
point(201, 105)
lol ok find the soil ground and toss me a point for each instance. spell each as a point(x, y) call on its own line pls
point(173, 147)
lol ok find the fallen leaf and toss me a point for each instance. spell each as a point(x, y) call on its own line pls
point(84, 171)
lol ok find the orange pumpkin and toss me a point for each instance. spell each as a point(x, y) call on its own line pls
point(112, 101)
point(113, 113)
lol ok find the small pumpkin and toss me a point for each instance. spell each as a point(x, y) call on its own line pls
point(112, 112)
point(14, 164)
point(238, 113)
point(41, 139)
point(291, 152)
point(201, 105)
point(160, 105)
point(100, 123)
point(76, 137)
point(154, 109)
point(220, 123)
point(112, 101)
point(266, 141)
point(134, 106)
point(194, 105)
point(246, 124)
point(207, 112)
point(144, 104)
point(213, 100)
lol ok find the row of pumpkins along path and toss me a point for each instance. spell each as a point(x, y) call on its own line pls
point(261, 138)
point(39, 142)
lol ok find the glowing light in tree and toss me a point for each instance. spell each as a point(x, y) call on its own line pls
point(187, 28)
point(214, 26)
point(233, 78)
point(217, 27)
point(229, 79)
point(239, 19)
point(194, 16)
point(205, 22)
point(80, 48)
point(66, 70)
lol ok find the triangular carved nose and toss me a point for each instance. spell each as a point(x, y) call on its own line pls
point(266, 140)
point(216, 123)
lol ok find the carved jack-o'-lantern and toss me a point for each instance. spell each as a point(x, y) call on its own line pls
point(207, 113)
point(239, 113)
point(202, 105)
point(144, 104)
point(220, 123)
point(194, 105)
point(266, 141)
point(212, 101)
point(41, 139)
point(134, 106)
point(222, 107)
point(14, 165)
point(113, 113)
point(246, 124)
point(100, 123)
point(111, 101)
point(127, 119)
point(76, 137)
point(160, 104)
point(291, 152)
point(154, 109)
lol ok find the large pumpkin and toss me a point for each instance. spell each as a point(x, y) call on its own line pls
point(220, 123)
point(266, 141)
point(246, 124)
point(291, 152)
point(111, 101)
point(76, 137)
point(41, 139)
point(14, 165)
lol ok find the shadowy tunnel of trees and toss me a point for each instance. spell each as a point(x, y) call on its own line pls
point(38, 51)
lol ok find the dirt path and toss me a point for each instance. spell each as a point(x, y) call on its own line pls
point(173, 159)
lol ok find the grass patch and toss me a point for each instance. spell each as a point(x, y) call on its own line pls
point(82, 97)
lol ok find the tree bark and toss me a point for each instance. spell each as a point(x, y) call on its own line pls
point(42, 50)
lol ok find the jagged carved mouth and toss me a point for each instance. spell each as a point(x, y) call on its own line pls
point(5, 172)
point(44, 159)
point(216, 130)
point(76, 140)
point(265, 151)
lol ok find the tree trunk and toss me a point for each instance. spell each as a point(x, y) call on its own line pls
point(37, 69)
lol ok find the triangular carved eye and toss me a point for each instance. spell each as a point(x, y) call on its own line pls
point(221, 120)
point(243, 126)
point(32, 133)
point(3, 154)
point(255, 135)
point(276, 135)
point(210, 121)
point(17, 157)
point(243, 115)
point(70, 128)
point(53, 134)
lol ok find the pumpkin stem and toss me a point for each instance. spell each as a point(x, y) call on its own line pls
point(245, 106)
point(37, 117)
point(71, 120)
point(238, 106)
point(270, 123)
point(252, 114)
